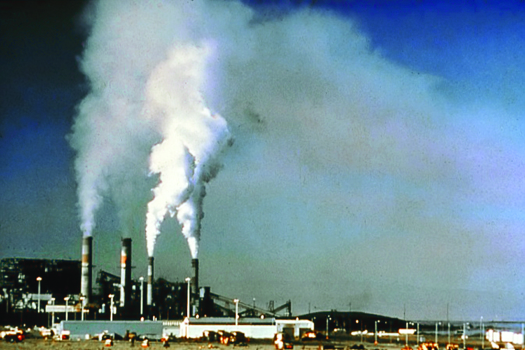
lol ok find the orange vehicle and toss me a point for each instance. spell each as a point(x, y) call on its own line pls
point(311, 335)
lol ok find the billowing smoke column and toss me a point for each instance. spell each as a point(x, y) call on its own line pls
point(87, 258)
point(146, 103)
point(149, 296)
point(193, 137)
point(125, 273)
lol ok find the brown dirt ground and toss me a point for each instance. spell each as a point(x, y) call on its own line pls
point(40, 344)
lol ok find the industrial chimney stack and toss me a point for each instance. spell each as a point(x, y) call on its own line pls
point(195, 285)
point(125, 273)
point(87, 258)
point(150, 282)
point(195, 277)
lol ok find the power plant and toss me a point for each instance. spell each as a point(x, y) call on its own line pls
point(59, 281)
point(157, 298)
point(68, 290)
point(119, 303)
point(148, 298)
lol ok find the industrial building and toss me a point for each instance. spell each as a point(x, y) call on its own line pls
point(45, 292)
point(252, 327)
point(61, 293)
point(27, 285)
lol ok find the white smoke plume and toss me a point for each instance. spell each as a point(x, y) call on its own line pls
point(192, 137)
point(146, 66)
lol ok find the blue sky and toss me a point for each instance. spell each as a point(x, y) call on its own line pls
point(378, 156)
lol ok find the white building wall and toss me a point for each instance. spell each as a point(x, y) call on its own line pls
point(262, 331)
point(251, 331)
point(297, 325)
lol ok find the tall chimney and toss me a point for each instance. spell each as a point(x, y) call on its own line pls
point(195, 286)
point(195, 277)
point(150, 282)
point(125, 272)
point(87, 258)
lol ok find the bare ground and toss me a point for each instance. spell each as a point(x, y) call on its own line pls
point(40, 344)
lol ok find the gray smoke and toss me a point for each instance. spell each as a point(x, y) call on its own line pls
point(343, 159)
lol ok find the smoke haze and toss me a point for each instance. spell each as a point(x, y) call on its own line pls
point(355, 165)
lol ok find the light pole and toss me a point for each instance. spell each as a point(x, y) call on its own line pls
point(417, 335)
point(375, 333)
point(39, 279)
point(236, 301)
point(482, 333)
point(406, 334)
point(67, 313)
point(82, 308)
point(327, 325)
point(111, 296)
point(188, 280)
point(464, 335)
point(141, 279)
point(52, 301)
point(522, 332)
point(437, 323)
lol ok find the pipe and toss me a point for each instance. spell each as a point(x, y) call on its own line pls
point(125, 272)
point(86, 270)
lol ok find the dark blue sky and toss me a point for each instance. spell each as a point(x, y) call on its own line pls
point(41, 84)
point(361, 128)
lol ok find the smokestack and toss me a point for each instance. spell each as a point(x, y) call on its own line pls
point(125, 272)
point(87, 258)
point(195, 277)
point(150, 282)
point(195, 286)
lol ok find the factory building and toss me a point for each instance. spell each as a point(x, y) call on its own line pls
point(36, 289)
point(252, 327)
point(26, 284)
point(60, 277)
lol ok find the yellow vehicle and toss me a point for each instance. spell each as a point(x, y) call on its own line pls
point(428, 346)
point(452, 346)
point(13, 335)
point(282, 341)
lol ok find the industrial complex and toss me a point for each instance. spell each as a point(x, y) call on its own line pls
point(65, 292)
point(64, 295)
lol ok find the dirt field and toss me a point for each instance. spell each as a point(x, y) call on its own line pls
point(40, 344)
